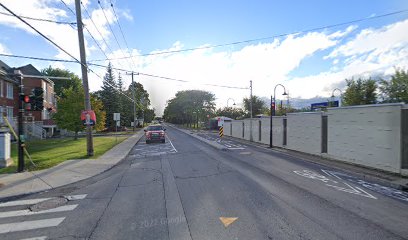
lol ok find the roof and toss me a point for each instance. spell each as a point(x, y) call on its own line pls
point(5, 70)
point(31, 70)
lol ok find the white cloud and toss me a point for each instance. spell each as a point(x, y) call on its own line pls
point(3, 49)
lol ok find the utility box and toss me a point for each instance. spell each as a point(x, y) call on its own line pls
point(5, 148)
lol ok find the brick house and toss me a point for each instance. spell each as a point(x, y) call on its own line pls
point(36, 123)
point(8, 95)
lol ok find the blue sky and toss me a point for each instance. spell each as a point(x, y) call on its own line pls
point(308, 64)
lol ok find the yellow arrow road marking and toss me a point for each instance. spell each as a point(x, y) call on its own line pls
point(227, 221)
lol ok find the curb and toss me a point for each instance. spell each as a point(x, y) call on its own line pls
point(211, 143)
point(12, 197)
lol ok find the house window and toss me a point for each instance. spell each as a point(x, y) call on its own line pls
point(1, 88)
point(9, 113)
point(1, 114)
point(10, 91)
point(45, 114)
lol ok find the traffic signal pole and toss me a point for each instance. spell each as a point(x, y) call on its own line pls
point(84, 69)
point(20, 165)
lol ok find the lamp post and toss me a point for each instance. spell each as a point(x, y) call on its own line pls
point(232, 101)
point(273, 103)
point(193, 119)
point(341, 93)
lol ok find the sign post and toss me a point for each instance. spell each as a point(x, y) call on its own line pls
point(221, 127)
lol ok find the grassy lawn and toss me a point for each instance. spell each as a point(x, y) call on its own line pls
point(50, 152)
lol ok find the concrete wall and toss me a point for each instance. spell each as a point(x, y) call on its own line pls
point(227, 128)
point(304, 132)
point(366, 135)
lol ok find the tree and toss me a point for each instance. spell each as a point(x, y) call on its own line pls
point(109, 96)
point(234, 113)
point(69, 111)
point(396, 89)
point(189, 105)
point(61, 84)
point(258, 106)
point(360, 92)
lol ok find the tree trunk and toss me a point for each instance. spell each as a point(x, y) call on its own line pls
point(76, 135)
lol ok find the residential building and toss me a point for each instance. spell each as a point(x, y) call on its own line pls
point(8, 95)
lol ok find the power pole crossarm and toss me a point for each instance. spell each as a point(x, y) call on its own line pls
point(89, 141)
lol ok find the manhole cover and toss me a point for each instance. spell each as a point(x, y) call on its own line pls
point(51, 203)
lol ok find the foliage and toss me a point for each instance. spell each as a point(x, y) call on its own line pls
point(396, 89)
point(109, 96)
point(61, 84)
point(360, 92)
point(234, 113)
point(258, 106)
point(68, 115)
point(187, 105)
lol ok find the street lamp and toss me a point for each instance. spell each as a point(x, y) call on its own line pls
point(273, 103)
point(232, 101)
point(341, 93)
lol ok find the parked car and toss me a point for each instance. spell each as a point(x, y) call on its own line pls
point(155, 133)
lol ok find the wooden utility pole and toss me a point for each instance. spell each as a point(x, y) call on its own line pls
point(89, 141)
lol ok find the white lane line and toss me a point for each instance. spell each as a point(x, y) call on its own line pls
point(29, 225)
point(75, 197)
point(36, 238)
point(27, 212)
point(23, 202)
point(171, 144)
point(237, 148)
point(38, 200)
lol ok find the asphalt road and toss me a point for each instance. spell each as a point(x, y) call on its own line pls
point(186, 189)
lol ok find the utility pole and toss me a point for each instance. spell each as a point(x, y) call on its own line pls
point(134, 100)
point(89, 141)
point(250, 106)
point(20, 147)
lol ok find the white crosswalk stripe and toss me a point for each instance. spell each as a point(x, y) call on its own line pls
point(24, 224)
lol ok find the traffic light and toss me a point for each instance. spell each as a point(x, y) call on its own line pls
point(37, 99)
point(26, 102)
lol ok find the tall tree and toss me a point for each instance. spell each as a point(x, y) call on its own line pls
point(231, 112)
point(61, 84)
point(396, 89)
point(69, 111)
point(258, 106)
point(189, 105)
point(360, 92)
point(109, 96)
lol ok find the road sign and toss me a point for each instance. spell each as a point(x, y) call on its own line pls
point(220, 122)
point(221, 132)
point(316, 106)
point(88, 118)
point(116, 116)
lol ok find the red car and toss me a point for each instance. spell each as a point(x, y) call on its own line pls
point(155, 133)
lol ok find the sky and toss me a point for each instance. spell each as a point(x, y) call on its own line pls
point(293, 43)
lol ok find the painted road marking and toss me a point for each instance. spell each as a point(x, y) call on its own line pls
point(226, 221)
point(171, 144)
point(349, 189)
point(29, 225)
point(387, 191)
point(36, 238)
point(27, 212)
point(38, 200)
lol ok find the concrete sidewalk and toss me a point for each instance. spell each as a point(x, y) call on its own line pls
point(68, 172)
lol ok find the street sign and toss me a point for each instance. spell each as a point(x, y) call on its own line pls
point(117, 123)
point(220, 122)
point(116, 116)
point(88, 118)
point(316, 106)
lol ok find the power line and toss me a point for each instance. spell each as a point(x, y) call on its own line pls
point(103, 39)
point(39, 19)
point(123, 36)
point(264, 38)
point(113, 33)
point(70, 9)
point(76, 60)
